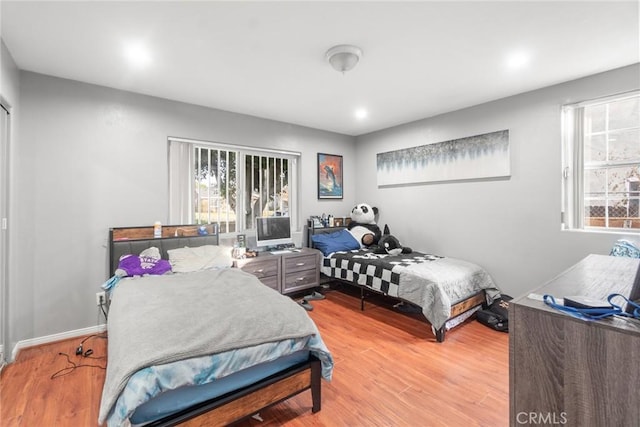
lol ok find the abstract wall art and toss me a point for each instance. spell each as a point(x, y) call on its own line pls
point(475, 157)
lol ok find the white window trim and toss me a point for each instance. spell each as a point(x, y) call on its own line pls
point(180, 159)
point(572, 215)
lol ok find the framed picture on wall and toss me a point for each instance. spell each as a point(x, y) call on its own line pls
point(330, 184)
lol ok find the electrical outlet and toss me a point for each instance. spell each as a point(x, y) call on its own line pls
point(100, 298)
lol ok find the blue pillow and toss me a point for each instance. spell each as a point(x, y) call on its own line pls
point(328, 243)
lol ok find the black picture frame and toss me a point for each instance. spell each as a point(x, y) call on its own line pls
point(330, 176)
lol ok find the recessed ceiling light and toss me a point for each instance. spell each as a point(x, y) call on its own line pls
point(518, 60)
point(137, 54)
point(361, 113)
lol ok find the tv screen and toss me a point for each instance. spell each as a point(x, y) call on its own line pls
point(273, 231)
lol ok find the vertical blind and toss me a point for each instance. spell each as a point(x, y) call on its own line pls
point(229, 185)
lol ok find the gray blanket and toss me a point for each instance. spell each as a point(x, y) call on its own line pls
point(436, 286)
point(160, 319)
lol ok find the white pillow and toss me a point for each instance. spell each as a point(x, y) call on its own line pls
point(186, 260)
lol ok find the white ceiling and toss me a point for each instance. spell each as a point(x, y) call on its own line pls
point(266, 59)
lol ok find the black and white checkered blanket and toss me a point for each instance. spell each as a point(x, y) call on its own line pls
point(377, 271)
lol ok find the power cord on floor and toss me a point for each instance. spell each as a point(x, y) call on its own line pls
point(80, 349)
point(73, 366)
point(81, 352)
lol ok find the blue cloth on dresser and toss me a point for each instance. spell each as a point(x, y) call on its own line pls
point(625, 248)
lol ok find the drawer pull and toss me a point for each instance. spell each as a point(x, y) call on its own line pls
point(259, 270)
point(299, 279)
point(300, 264)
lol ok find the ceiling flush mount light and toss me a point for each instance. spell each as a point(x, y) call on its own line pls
point(343, 57)
point(137, 55)
point(361, 114)
point(518, 60)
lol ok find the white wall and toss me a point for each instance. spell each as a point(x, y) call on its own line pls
point(90, 158)
point(9, 76)
point(511, 227)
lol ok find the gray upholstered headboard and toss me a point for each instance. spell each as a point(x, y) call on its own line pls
point(133, 240)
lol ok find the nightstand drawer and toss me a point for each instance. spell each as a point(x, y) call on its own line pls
point(300, 279)
point(272, 282)
point(262, 268)
point(300, 263)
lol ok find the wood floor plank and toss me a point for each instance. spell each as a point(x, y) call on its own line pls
point(389, 371)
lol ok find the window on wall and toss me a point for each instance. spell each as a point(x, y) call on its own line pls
point(229, 185)
point(602, 164)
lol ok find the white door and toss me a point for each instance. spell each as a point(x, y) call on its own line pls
point(4, 198)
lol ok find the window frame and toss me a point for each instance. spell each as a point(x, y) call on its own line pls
point(574, 166)
point(181, 174)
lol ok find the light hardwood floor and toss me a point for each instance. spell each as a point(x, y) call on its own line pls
point(389, 371)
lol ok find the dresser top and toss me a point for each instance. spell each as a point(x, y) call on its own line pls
point(595, 276)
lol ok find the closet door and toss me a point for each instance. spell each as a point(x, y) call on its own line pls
point(4, 199)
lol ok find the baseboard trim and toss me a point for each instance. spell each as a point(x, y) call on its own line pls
point(56, 337)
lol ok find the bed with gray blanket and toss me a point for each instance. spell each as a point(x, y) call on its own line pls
point(185, 345)
point(447, 291)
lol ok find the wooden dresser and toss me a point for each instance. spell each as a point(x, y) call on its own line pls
point(286, 273)
point(567, 371)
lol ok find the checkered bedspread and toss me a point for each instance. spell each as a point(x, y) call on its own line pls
point(377, 271)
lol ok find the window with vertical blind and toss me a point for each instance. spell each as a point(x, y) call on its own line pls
point(601, 163)
point(229, 185)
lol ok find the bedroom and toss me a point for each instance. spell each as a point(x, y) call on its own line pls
point(511, 227)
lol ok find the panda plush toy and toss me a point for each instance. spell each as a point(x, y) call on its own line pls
point(363, 225)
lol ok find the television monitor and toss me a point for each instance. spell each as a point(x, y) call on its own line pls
point(273, 231)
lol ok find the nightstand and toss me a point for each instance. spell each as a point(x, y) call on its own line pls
point(300, 270)
point(286, 272)
point(265, 267)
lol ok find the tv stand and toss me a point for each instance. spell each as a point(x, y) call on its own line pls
point(285, 272)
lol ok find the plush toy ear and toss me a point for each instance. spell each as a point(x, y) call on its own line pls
point(386, 229)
